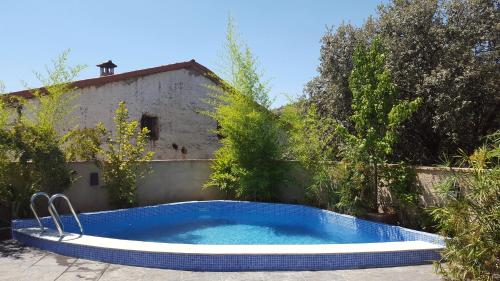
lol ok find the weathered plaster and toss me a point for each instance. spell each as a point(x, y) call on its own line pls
point(175, 97)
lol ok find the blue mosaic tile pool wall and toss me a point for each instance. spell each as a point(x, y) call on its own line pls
point(93, 222)
point(237, 262)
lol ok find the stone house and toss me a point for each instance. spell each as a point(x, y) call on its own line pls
point(167, 99)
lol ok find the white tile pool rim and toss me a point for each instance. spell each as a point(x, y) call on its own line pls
point(156, 247)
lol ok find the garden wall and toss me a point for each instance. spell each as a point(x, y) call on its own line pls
point(169, 181)
point(429, 177)
point(182, 180)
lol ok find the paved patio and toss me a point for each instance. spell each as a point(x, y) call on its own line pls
point(21, 263)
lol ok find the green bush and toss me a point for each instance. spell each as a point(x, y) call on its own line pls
point(470, 217)
point(123, 157)
point(351, 181)
point(4, 147)
point(310, 145)
point(401, 182)
point(32, 154)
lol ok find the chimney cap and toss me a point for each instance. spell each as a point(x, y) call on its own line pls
point(108, 64)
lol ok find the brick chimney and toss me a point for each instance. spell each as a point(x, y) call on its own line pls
point(107, 68)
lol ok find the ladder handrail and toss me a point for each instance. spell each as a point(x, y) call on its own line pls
point(32, 206)
point(55, 214)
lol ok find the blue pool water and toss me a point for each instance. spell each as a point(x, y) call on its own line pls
point(231, 222)
point(213, 226)
point(226, 231)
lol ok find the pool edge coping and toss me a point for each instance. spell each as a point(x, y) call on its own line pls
point(203, 249)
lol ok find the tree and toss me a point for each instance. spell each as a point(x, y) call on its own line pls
point(329, 92)
point(444, 52)
point(247, 165)
point(465, 83)
point(377, 111)
point(410, 34)
point(122, 157)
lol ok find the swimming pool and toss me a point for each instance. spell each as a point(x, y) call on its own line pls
point(233, 236)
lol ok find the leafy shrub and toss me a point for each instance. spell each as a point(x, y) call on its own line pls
point(31, 146)
point(308, 143)
point(248, 164)
point(122, 157)
point(470, 217)
point(351, 180)
point(4, 147)
point(41, 165)
point(401, 182)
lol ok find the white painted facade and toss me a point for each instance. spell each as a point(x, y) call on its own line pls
point(175, 97)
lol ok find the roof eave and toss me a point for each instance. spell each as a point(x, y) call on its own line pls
point(99, 81)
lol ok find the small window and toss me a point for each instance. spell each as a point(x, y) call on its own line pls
point(151, 122)
point(94, 179)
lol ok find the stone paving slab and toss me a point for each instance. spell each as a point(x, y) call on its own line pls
point(19, 263)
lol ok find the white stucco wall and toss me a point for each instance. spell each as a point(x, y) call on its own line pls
point(175, 97)
point(168, 181)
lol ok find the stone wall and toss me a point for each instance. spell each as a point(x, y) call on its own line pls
point(177, 98)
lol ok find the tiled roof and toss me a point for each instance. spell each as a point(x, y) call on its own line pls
point(99, 81)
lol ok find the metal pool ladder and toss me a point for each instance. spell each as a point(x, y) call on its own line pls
point(53, 211)
point(32, 206)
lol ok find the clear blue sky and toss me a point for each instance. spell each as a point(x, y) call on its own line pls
point(284, 35)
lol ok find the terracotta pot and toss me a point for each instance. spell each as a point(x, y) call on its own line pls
point(390, 218)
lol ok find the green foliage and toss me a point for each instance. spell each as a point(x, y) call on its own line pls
point(351, 183)
point(329, 92)
point(226, 175)
point(83, 144)
point(34, 149)
point(247, 165)
point(4, 147)
point(122, 157)
point(32, 143)
point(54, 99)
point(308, 143)
point(333, 185)
point(307, 135)
point(401, 182)
point(470, 217)
point(377, 113)
point(444, 52)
